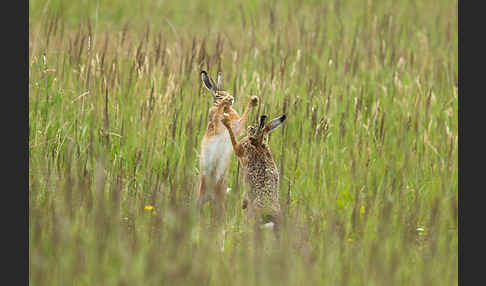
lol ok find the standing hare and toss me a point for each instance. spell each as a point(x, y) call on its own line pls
point(216, 145)
point(260, 170)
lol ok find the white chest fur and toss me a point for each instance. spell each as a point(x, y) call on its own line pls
point(215, 155)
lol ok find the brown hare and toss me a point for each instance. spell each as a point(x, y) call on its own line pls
point(260, 171)
point(216, 145)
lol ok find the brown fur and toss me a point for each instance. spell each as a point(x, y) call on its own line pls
point(215, 144)
point(260, 171)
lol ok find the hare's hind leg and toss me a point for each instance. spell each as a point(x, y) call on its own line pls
point(203, 196)
point(220, 192)
point(218, 215)
point(277, 224)
point(201, 193)
point(244, 202)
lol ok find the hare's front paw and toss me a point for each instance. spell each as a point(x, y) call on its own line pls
point(254, 101)
point(228, 101)
point(244, 205)
point(226, 120)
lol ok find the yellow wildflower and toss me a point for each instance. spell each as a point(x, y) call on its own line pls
point(148, 208)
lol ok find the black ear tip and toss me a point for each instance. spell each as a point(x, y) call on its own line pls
point(263, 118)
point(283, 117)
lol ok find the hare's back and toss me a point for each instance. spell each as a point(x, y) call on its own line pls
point(262, 173)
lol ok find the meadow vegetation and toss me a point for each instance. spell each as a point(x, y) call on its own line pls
point(367, 156)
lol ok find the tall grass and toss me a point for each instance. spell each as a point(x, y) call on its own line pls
point(367, 157)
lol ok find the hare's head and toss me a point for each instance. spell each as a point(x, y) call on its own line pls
point(256, 133)
point(216, 89)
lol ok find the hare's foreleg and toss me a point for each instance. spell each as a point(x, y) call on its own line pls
point(236, 144)
point(244, 117)
point(217, 115)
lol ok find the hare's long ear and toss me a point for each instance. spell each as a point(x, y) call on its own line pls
point(263, 118)
point(274, 123)
point(219, 85)
point(208, 82)
point(260, 130)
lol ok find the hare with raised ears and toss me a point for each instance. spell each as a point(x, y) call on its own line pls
point(216, 145)
point(260, 170)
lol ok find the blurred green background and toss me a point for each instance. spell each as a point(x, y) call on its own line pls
point(367, 157)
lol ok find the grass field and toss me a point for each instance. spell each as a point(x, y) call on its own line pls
point(367, 156)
